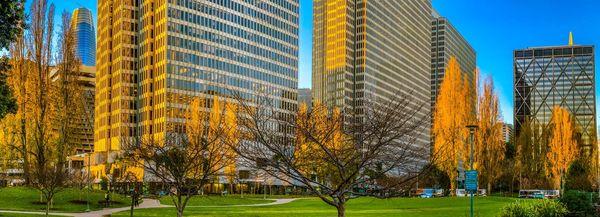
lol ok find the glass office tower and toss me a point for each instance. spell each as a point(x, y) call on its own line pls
point(545, 77)
point(155, 56)
point(83, 23)
point(365, 50)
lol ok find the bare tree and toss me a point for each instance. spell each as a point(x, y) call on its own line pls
point(335, 155)
point(185, 162)
point(79, 179)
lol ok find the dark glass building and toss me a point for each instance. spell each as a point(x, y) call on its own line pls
point(545, 77)
point(83, 23)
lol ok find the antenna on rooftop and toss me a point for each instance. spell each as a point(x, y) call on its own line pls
point(570, 38)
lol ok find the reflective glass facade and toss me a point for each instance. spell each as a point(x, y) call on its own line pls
point(83, 23)
point(556, 76)
point(151, 66)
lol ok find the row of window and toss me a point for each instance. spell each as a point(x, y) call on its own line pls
point(228, 67)
point(222, 26)
point(216, 39)
point(555, 51)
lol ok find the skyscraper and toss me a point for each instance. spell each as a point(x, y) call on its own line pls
point(305, 96)
point(446, 41)
point(155, 56)
point(364, 50)
point(564, 76)
point(83, 23)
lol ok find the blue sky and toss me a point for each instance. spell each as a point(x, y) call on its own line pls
point(493, 27)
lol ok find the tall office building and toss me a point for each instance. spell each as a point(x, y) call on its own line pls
point(364, 50)
point(83, 23)
point(545, 77)
point(83, 129)
point(155, 56)
point(305, 96)
point(507, 132)
point(446, 42)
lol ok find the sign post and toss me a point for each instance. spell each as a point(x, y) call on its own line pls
point(471, 175)
point(471, 185)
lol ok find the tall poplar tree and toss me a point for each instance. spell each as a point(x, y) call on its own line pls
point(562, 147)
point(490, 147)
point(453, 112)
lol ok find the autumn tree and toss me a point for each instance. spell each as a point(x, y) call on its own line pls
point(20, 70)
point(531, 146)
point(46, 111)
point(184, 161)
point(333, 157)
point(10, 156)
point(490, 147)
point(453, 112)
point(562, 147)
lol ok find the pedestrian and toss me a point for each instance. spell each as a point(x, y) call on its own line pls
point(136, 201)
point(106, 199)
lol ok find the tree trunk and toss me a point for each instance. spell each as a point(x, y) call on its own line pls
point(489, 188)
point(132, 204)
point(47, 206)
point(341, 209)
point(179, 204)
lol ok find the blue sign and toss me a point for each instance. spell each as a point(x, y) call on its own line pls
point(471, 180)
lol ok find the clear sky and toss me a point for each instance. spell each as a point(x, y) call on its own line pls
point(493, 27)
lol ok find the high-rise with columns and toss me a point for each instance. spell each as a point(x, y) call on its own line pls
point(155, 56)
point(368, 50)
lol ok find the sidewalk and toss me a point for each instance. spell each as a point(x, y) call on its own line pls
point(147, 203)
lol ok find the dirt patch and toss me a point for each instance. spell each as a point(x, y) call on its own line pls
point(103, 202)
point(78, 202)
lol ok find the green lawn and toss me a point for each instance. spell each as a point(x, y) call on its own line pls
point(370, 207)
point(21, 198)
point(219, 200)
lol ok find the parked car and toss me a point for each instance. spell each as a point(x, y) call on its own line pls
point(539, 194)
point(464, 193)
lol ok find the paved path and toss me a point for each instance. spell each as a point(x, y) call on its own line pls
point(147, 203)
point(275, 202)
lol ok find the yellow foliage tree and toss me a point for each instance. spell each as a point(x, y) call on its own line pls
point(562, 147)
point(453, 112)
point(490, 147)
point(9, 141)
point(327, 131)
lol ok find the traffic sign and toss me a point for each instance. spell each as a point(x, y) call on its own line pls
point(471, 180)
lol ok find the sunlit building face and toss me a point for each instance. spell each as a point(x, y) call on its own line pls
point(150, 66)
point(369, 50)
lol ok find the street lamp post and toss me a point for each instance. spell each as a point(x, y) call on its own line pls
point(472, 129)
point(89, 155)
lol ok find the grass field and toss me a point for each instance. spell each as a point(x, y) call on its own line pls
point(369, 207)
point(20, 198)
point(218, 200)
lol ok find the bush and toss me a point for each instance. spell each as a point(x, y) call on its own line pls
point(549, 208)
point(517, 209)
point(534, 208)
point(578, 203)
